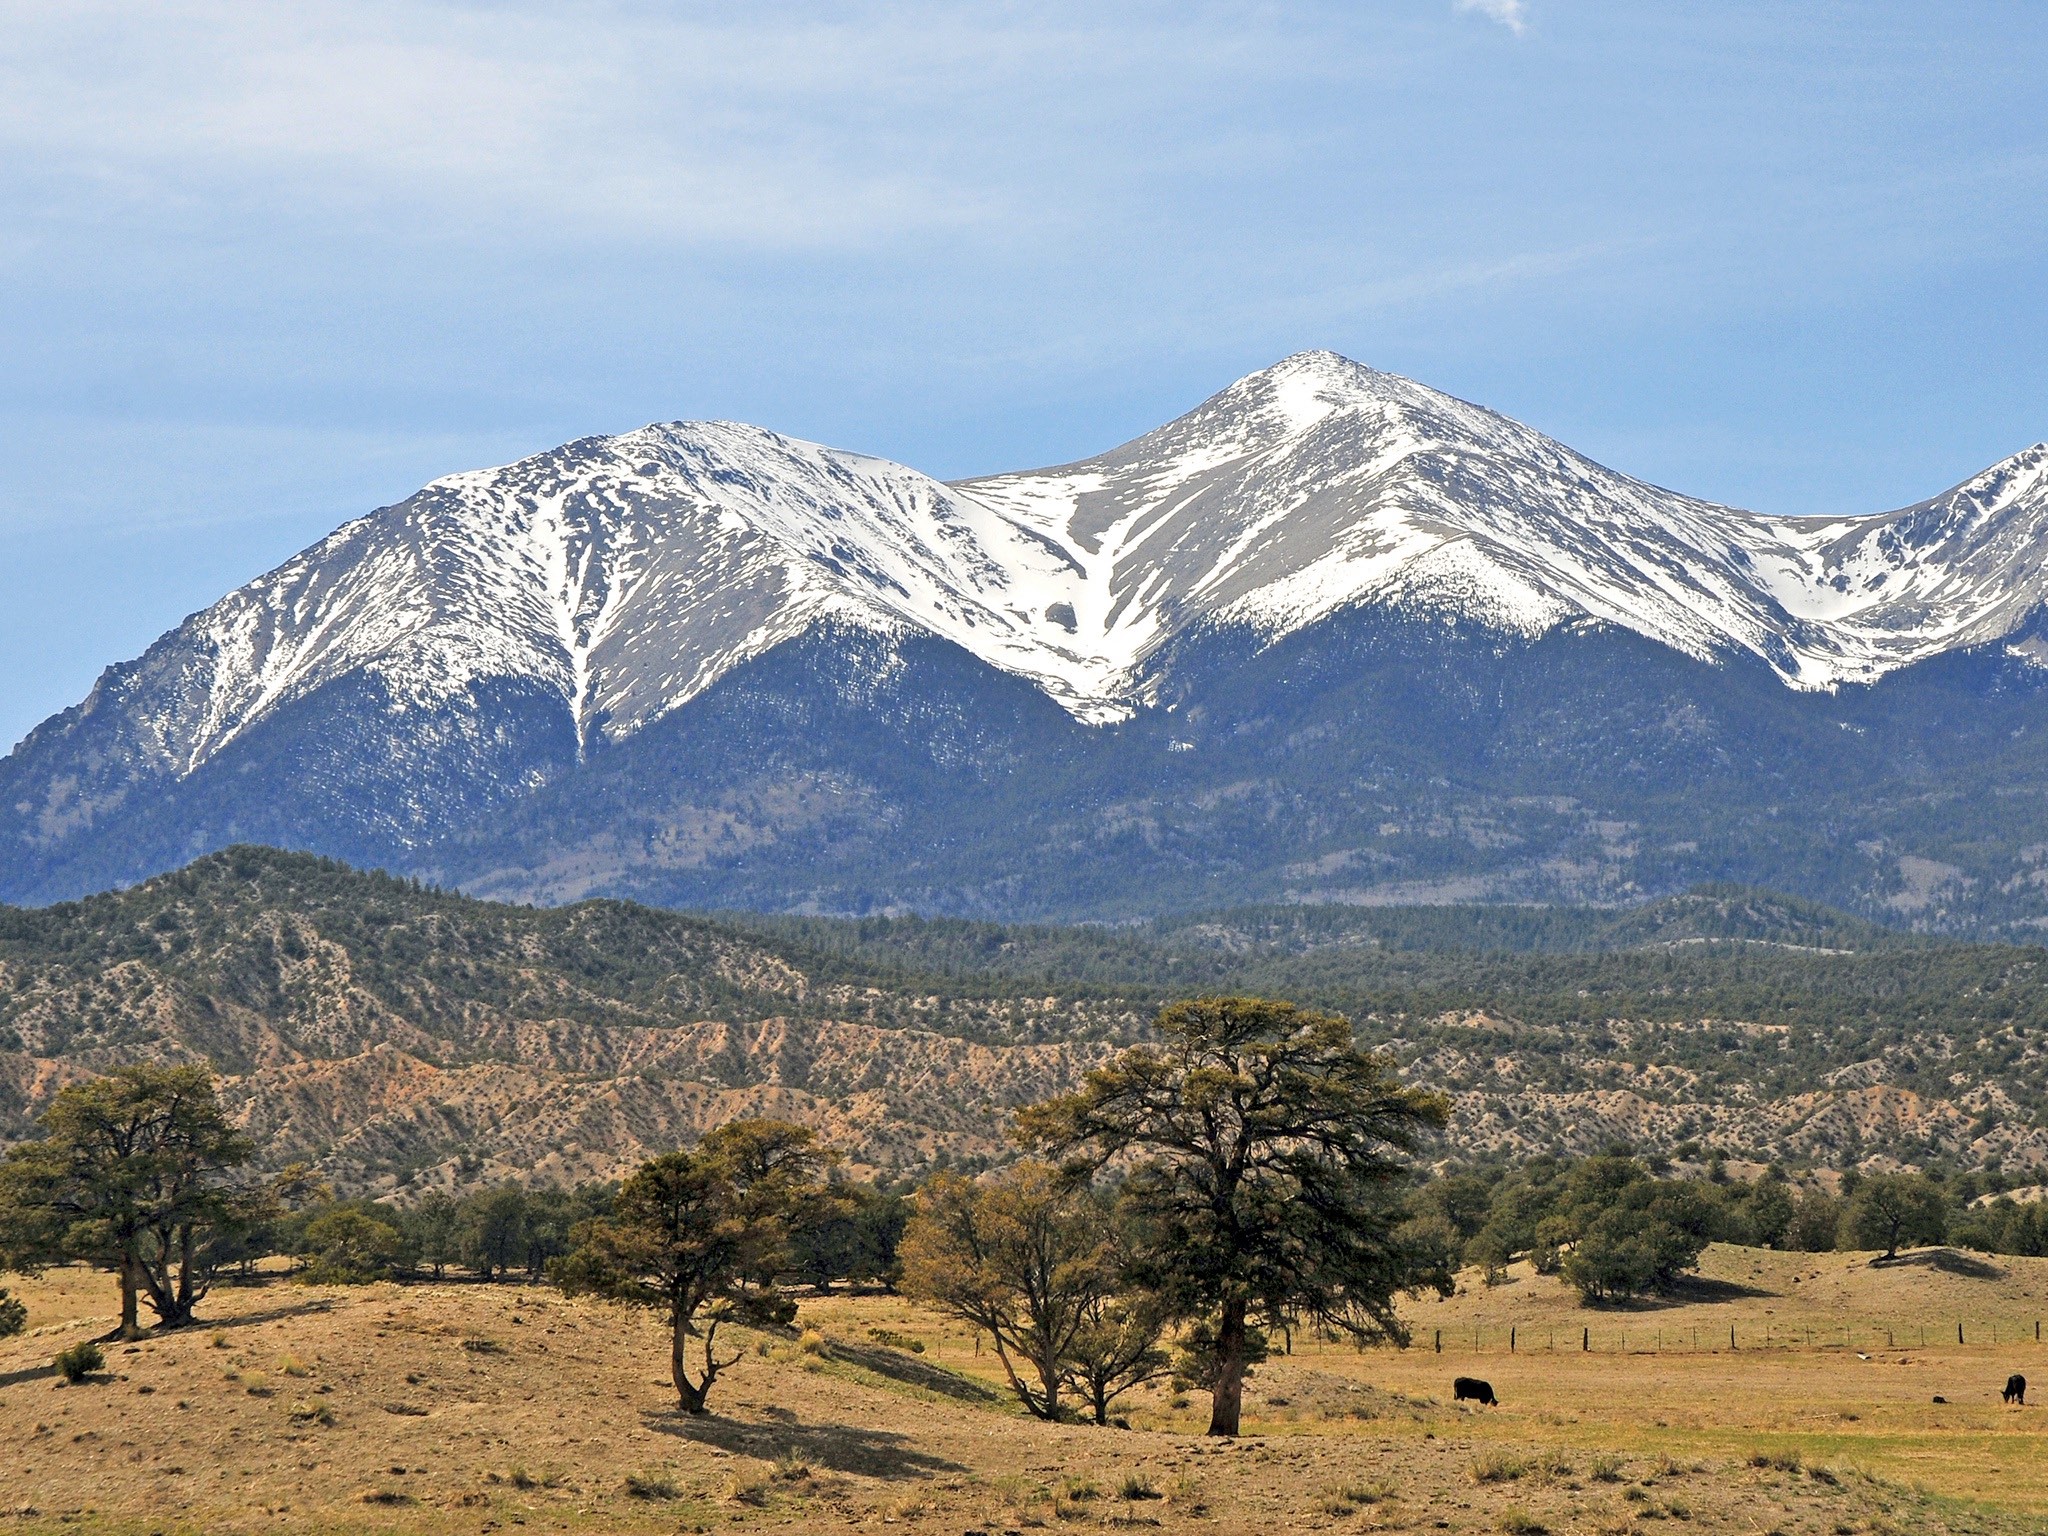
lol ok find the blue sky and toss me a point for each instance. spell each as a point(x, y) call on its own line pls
point(265, 266)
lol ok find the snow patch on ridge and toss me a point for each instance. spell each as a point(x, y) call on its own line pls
point(626, 575)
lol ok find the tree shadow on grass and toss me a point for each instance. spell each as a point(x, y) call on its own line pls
point(910, 1371)
point(1686, 1291)
point(309, 1308)
point(1949, 1261)
point(877, 1453)
point(31, 1373)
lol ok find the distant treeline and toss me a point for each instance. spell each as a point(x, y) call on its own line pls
point(1613, 1226)
point(1616, 1227)
point(514, 1232)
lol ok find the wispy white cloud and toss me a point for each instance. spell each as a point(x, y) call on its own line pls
point(1512, 14)
point(788, 128)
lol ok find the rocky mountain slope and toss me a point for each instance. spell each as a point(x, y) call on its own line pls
point(405, 1038)
point(1332, 633)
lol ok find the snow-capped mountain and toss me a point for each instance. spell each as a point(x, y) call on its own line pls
point(1319, 484)
point(486, 638)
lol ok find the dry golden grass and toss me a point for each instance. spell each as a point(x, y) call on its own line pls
point(370, 1414)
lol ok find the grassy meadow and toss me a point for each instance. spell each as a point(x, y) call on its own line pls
point(480, 1408)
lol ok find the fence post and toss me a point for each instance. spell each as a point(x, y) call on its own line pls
point(1731, 1333)
point(1439, 1341)
point(1511, 1338)
point(1959, 1333)
point(1585, 1338)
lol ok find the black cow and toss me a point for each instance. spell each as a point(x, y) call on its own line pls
point(1473, 1389)
point(2016, 1390)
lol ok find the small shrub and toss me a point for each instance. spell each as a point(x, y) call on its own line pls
point(483, 1346)
point(811, 1342)
point(386, 1496)
point(1497, 1467)
point(292, 1365)
point(744, 1485)
point(219, 1339)
point(889, 1338)
point(650, 1485)
point(1017, 1490)
point(1079, 1489)
point(1365, 1493)
point(1678, 1509)
point(792, 1468)
point(1517, 1521)
point(1136, 1486)
point(13, 1314)
point(80, 1361)
point(1184, 1493)
point(1779, 1461)
point(311, 1413)
point(1178, 1401)
point(1606, 1469)
point(256, 1384)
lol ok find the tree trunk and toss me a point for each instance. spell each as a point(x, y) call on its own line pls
point(131, 1326)
point(1227, 1403)
point(1101, 1402)
point(689, 1396)
point(188, 1292)
point(1049, 1380)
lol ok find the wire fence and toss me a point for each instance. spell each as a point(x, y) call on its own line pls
point(1644, 1336)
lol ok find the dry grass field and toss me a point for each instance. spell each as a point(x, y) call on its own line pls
point(472, 1409)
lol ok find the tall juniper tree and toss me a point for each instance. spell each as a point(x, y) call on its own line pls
point(132, 1173)
point(699, 1237)
point(1264, 1151)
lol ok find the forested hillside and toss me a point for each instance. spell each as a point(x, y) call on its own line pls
point(409, 1037)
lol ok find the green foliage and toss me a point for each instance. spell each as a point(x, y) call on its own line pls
point(1816, 1223)
point(1026, 1257)
point(1894, 1210)
point(13, 1314)
point(2003, 1226)
point(433, 1228)
point(131, 1174)
point(1608, 1225)
point(1264, 1149)
point(852, 1234)
point(494, 1228)
point(699, 1237)
point(1117, 1348)
point(351, 1245)
point(80, 1361)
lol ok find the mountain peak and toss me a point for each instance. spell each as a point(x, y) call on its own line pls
point(606, 585)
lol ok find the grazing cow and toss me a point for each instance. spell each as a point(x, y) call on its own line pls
point(1473, 1389)
point(2016, 1390)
